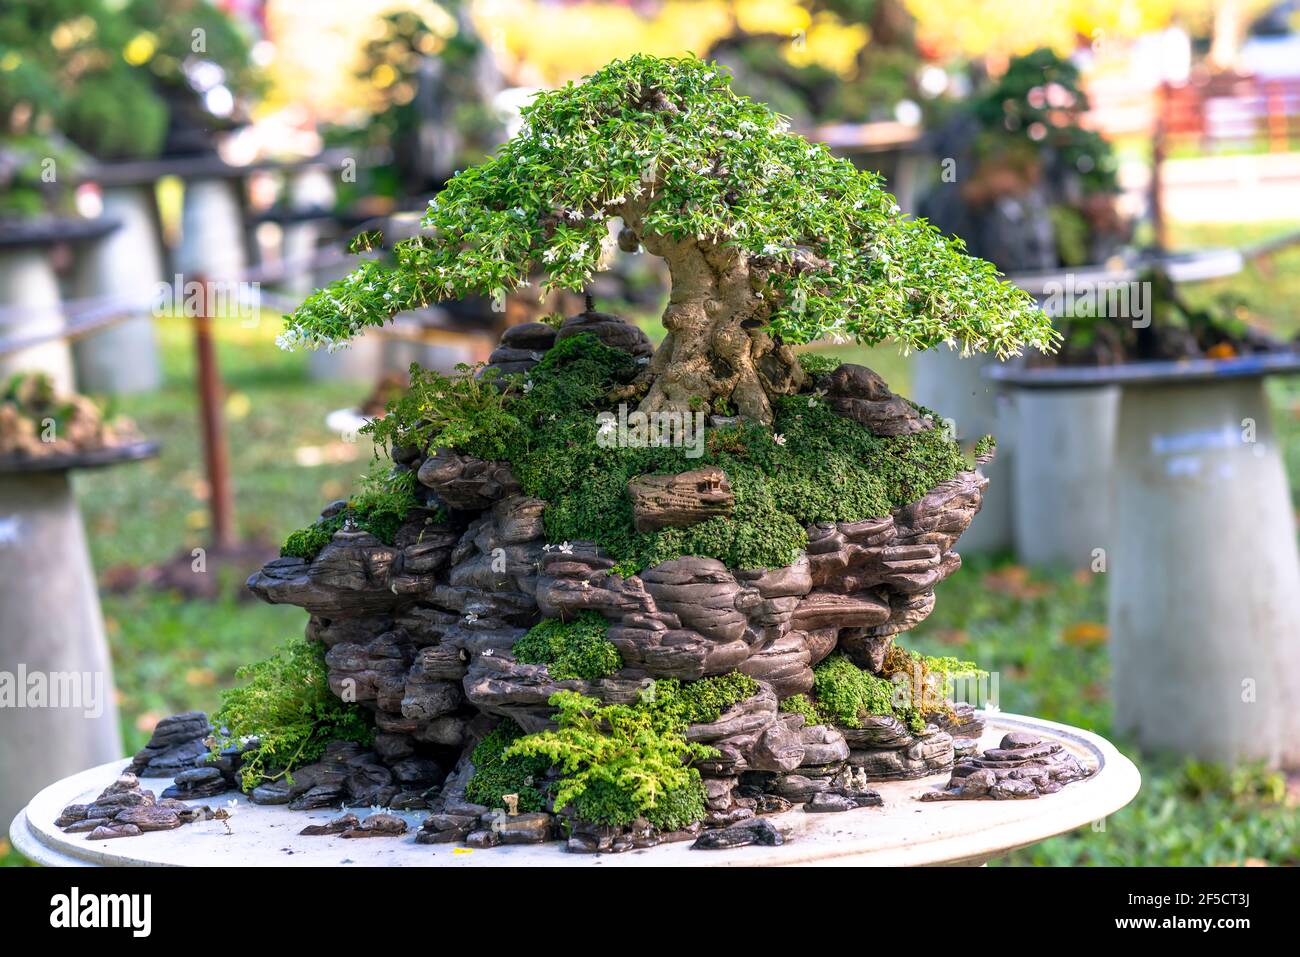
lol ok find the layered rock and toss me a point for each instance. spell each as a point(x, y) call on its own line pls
point(177, 742)
point(1022, 766)
point(421, 631)
point(124, 809)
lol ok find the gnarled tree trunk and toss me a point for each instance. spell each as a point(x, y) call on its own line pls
point(717, 345)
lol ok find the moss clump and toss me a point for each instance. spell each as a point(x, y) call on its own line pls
point(801, 704)
point(986, 445)
point(816, 364)
point(571, 649)
point(496, 775)
point(380, 506)
point(910, 687)
point(704, 701)
point(846, 695)
point(925, 681)
point(619, 762)
point(286, 703)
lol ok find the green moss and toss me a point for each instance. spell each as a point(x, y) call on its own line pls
point(286, 703)
point(845, 694)
point(986, 445)
point(812, 466)
point(618, 762)
point(380, 506)
point(496, 775)
point(704, 701)
point(306, 543)
point(570, 649)
point(818, 364)
point(801, 704)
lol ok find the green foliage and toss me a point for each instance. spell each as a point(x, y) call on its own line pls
point(110, 73)
point(571, 649)
point(703, 701)
point(724, 170)
point(986, 445)
point(801, 704)
point(380, 506)
point(1256, 783)
point(286, 703)
point(617, 762)
point(1038, 103)
point(845, 694)
point(496, 775)
point(462, 411)
point(910, 687)
point(817, 364)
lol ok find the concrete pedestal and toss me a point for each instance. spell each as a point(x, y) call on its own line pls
point(310, 189)
point(126, 264)
point(956, 388)
point(213, 243)
point(1064, 474)
point(1203, 573)
point(903, 832)
point(51, 631)
point(30, 305)
point(1204, 577)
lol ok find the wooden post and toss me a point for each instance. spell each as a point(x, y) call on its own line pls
point(221, 500)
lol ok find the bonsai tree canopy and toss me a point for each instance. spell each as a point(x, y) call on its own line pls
point(770, 241)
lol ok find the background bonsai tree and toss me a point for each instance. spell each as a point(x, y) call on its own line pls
point(122, 80)
point(770, 241)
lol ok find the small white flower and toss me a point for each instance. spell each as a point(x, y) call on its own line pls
point(778, 438)
point(471, 618)
point(566, 548)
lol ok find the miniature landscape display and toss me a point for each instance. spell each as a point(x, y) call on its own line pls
point(621, 594)
point(36, 422)
point(1175, 330)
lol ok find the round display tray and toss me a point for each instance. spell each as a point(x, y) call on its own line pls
point(905, 831)
point(1175, 372)
point(87, 459)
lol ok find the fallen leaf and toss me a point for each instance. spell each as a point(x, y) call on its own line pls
point(1086, 633)
point(1014, 582)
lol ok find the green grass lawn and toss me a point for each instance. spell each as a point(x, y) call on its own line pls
point(1041, 632)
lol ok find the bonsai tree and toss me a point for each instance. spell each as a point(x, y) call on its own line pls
point(431, 87)
point(121, 80)
point(769, 240)
point(1021, 142)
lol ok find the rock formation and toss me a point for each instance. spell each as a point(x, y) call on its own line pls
point(124, 809)
point(421, 633)
point(1022, 766)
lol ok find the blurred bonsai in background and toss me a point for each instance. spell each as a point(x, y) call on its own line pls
point(433, 82)
point(877, 71)
point(1026, 185)
point(122, 80)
